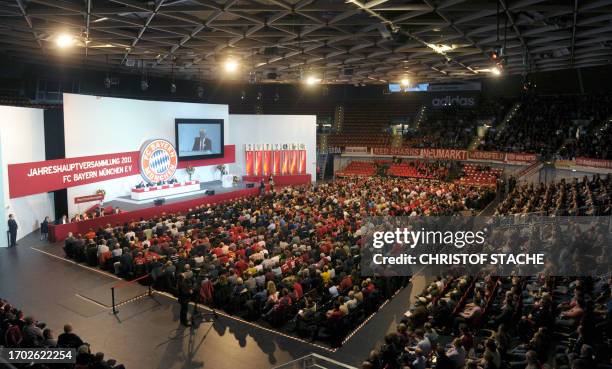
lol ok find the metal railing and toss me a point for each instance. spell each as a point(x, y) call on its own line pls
point(125, 283)
point(314, 361)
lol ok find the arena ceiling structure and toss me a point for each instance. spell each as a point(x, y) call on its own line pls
point(334, 41)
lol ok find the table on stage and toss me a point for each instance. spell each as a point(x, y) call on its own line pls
point(153, 192)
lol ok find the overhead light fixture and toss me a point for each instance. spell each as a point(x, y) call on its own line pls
point(311, 80)
point(405, 82)
point(231, 66)
point(440, 48)
point(64, 40)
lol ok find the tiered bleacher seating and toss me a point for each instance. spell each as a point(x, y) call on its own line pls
point(544, 124)
point(480, 175)
point(358, 168)
point(413, 169)
point(366, 123)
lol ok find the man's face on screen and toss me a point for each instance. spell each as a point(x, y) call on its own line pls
point(202, 133)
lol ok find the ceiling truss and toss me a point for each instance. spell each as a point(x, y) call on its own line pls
point(376, 41)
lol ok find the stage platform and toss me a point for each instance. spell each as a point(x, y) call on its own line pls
point(126, 203)
point(132, 211)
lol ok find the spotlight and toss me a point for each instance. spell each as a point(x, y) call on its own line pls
point(64, 40)
point(405, 82)
point(172, 88)
point(231, 66)
point(440, 48)
point(311, 80)
point(496, 71)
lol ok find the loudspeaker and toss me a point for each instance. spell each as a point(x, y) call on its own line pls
point(250, 185)
point(159, 201)
point(210, 192)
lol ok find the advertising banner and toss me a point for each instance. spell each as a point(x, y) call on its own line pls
point(356, 150)
point(595, 163)
point(518, 157)
point(454, 154)
point(446, 154)
point(89, 198)
point(396, 151)
point(487, 155)
point(50, 175)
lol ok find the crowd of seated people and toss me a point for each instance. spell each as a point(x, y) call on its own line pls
point(503, 323)
point(573, 197)
point(455, 126)
point(543, 124)
point(596, 142)
point(18, 330)
point(94, 213)
point(289, 258)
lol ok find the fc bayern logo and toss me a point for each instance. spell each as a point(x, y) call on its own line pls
point(158, 160)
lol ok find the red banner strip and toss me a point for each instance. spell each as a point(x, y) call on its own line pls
point(44, 176)
point(50, 175)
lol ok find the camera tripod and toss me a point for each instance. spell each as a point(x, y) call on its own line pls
point(197, 316)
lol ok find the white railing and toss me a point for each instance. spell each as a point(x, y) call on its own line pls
point(314, 361)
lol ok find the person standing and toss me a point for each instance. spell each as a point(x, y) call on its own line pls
point(44, 229)
point(271, 183)
point(12, 227)
point(185, 293)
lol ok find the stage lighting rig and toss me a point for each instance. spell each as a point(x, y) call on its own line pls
point(497, 53)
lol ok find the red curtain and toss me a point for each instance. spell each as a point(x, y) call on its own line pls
point(285, 161)
point(250, 158)
point(276, 162)
point(267, 162)
point(302, 162)
point(258, 162)
point(294, 161)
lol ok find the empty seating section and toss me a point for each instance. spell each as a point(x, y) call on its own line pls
point(412, 170)
point(480, 175)
point(366, 122)
point(358, 168)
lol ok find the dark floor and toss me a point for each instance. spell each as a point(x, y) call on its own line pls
point(146, 332)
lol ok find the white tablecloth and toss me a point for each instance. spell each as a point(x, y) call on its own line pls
point(227, 180)
point(153, 193)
